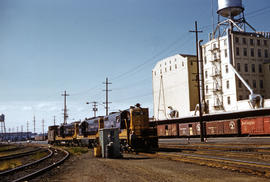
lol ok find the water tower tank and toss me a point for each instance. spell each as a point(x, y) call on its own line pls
point(227, 8)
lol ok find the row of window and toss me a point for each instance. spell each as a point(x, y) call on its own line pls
point(254, 84)
point(244, 41)
point(246, 68)
point(252, 52)
point(169, 68)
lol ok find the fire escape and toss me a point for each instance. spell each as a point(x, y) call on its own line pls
point(217, 75)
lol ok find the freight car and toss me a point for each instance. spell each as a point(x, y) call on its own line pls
point(235, 127)
point(133, 124)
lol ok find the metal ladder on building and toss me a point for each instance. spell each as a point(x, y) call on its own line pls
point(217, 75)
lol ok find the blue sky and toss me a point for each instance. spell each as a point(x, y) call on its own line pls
point(48, 46)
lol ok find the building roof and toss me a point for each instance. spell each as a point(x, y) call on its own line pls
point(187, 55)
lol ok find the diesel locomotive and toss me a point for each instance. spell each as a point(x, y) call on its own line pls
point(135, 133)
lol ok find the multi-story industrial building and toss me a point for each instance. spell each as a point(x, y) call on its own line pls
point(249, 58)
point(236, 64)
point(175, 87)
point(235, 70)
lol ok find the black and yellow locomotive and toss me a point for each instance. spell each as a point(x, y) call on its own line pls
point(133, 124)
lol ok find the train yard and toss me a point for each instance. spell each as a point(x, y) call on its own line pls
point(235, 159)
point(21, 163)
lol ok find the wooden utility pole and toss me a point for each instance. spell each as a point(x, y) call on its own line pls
point(196, 31)
point(107, 96)
point(34, 124)
point(54, 121)
point(65, 107)
point(27, 129)
point(43, 137)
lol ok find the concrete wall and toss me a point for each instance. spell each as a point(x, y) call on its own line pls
point(176, 73)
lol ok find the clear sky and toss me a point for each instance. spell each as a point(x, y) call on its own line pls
point(48, 46)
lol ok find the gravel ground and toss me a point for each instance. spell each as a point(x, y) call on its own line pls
point(135, 168)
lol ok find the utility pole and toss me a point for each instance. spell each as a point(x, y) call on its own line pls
point(196, 31)
point(107, 96)
point(43, 129)
point(21, 132)
point(34, 124)
point(65, 107)
point(95, 109)
point(54, 121)
point(27, 129)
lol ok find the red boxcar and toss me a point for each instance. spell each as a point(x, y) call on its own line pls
point(168, 130)
point(266, 120)
point(189, 129)
point(231, 127)
point(252, 126)
point(226, 127)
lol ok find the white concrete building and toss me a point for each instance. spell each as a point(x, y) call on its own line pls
point(175, 87)
point(225, 59)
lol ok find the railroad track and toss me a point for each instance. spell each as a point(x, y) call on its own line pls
point(12, 156)
point(36, 168)
point(247, 162)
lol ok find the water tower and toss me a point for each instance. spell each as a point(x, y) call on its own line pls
point(2, 126)
point(231, 16)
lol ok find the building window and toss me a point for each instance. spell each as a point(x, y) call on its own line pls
point(160, 71)
point(246, 67)
point(205, 60)
point(227, 68)
point(228, 84)
point(265, 42)
point(225, 42)
point(155, 73)
point(176, 66)
point(261, 84)
point(254, 84)
point(260, 68)
point(259, 53)
point(266, 53)
point(183, 64)
point(253, 68)
point(239, 84)
point(229, 100)
point(258, 42)
point(252, 52)
point(170, 68)
point(206, 75)
point(206, 89)
point(245, 51)
point(251, 42)
point(165, 69)
point(236, 40)
point(238, 67)
point(226, 53)
point(237, 51)
point(240, 97)
point(244, 41)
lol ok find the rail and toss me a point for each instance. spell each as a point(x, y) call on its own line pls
point(41, 171)
point(19, 154)
point(26, 165)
